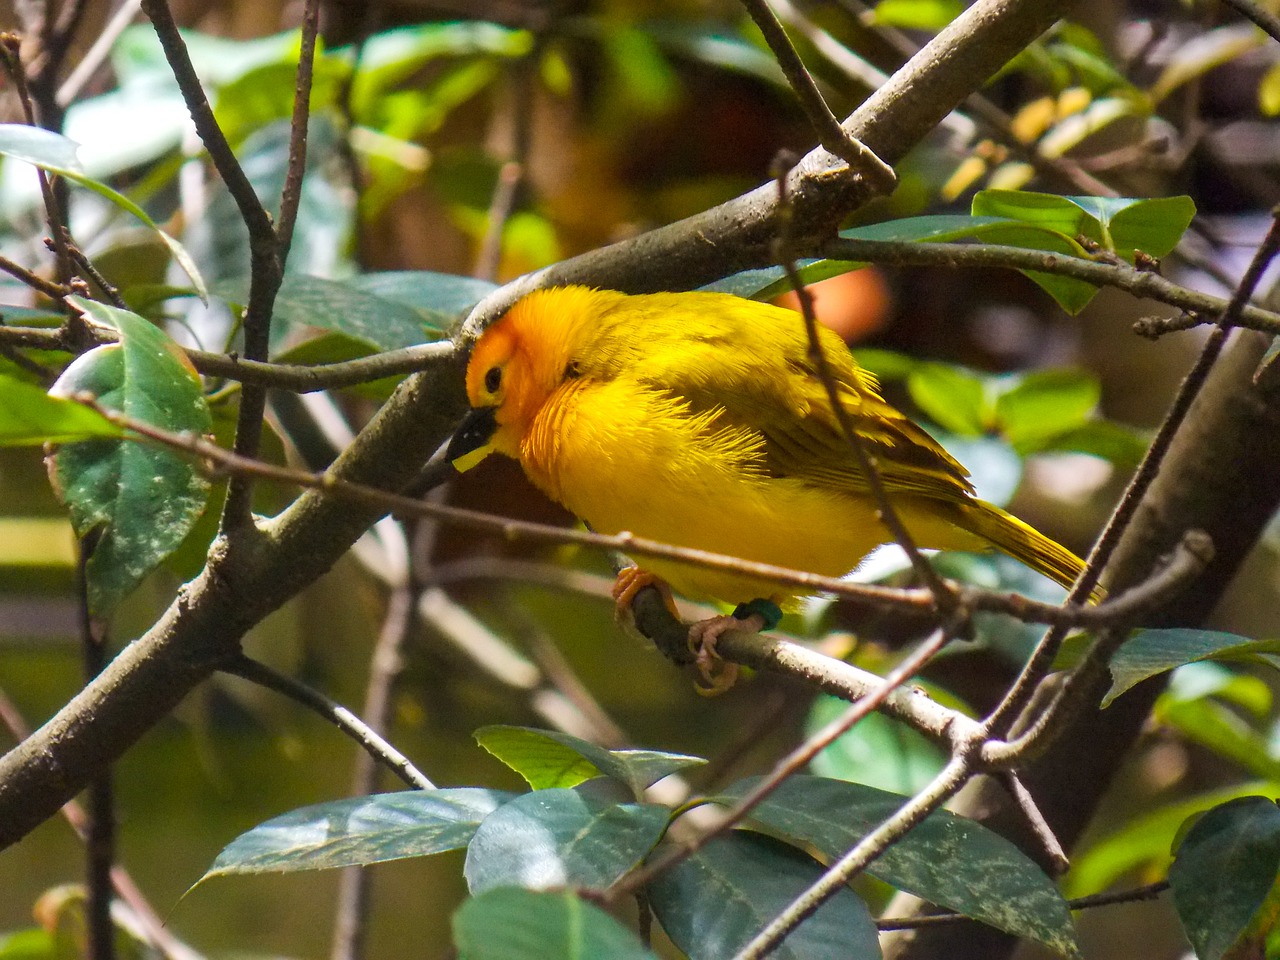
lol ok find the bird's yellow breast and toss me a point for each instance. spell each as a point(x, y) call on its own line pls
point(624, 456)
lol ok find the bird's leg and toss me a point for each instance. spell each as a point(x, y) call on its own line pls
point(719, 675)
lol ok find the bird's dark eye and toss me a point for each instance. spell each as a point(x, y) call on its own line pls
point(493, 379)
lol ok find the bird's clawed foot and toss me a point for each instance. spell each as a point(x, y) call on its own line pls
point(717, 674)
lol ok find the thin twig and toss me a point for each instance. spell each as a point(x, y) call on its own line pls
point(1057, 857)
point(789, 765)
point(344, 719)
point(100, 825)
point(1265, 19)
point(511, 175)
point(1149, 892)
point(266, 268)
point(944, 786)
point(36, 282)
point(1041, 660)
point(1120, 609)
point(291, 195)
point(1139, 283)
point(352, 909)
point(833, 137)
point(886, 512)
point(11, 52)
point(296, 377)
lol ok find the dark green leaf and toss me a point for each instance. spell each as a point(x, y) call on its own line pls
point(560, 838)
point(1045, 404)
point(55, 153)
point(1149, 652)
point(141, 498)
point(1224, 870)
point(697, 41)
point(712, 904)
point(947, 860)
point(28, 415)
point(952, 397)
point(513, 924)
point(361, 830)
point(548, 758)
point(879, 751)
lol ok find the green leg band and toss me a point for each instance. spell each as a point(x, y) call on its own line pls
point(769, 612)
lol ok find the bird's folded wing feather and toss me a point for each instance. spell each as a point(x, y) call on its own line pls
point(782, 397)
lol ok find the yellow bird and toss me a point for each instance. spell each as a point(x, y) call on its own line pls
point(698, 419)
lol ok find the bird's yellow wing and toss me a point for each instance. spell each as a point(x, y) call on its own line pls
point(706, 351)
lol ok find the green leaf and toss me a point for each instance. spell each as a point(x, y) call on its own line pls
point(706, 44)
point(1144, 842)
point(947, 860)
point(28, 416)
point(952, 397)
point(142, 499)
point(1153, 226)
point(712, 904)
point(548, 758)
point(342, 306)
point(441, 297)
point(1150, 652)
point(930, 15)
point(360, 831)
point(878, 751)
point(35, 943)
point(1121, 445)
point(1226, 733)
point(1223, 871)
point(561, 838)
point(885, 364)
point(57, 154)
point(1045, 404)
point(513, 924)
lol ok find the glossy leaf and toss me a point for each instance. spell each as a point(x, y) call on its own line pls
point(1223, 871)
point(947, 860)
point(1150, 652)
point(712, 904)
point(513, 924)
point(558, 838)
point(549, 758)
point(360, 831)
point(28, 416)
point(57, 154)
point(140, 500)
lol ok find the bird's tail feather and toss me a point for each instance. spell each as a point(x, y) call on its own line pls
point(1024, 542)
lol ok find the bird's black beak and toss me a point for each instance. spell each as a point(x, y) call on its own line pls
point(470, 443)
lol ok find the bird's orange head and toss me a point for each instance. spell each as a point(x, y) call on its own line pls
point(516, 364)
